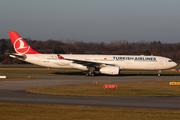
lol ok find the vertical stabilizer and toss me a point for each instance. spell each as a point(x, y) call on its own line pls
point(20, 46)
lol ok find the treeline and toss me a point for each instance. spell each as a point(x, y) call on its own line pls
point(121, 47)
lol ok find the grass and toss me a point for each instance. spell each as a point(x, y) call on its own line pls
point(152, 88)
point(45, 71)
point(19, 78)
point(36, 71)
point(16, 111)
point(18, 65)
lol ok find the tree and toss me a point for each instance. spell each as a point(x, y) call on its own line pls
point(147, 52)
point(3, 46)
point(58, 50)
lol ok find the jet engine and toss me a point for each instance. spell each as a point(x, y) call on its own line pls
point(111, 70)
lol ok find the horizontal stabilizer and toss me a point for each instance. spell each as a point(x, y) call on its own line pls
point(18, 56)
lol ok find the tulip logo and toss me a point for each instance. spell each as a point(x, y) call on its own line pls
point(20, 46)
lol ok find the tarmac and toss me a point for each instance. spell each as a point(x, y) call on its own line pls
point(13, 92)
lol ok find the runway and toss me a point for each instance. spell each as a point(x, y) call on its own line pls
point(13, 91)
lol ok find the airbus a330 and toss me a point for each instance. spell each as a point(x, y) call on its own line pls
point(106, 64)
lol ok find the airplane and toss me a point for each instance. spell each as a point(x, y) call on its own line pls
point(106, 64)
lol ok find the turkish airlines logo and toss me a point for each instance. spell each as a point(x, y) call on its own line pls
point(20, 46)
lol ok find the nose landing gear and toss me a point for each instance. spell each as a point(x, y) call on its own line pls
point(159, 73)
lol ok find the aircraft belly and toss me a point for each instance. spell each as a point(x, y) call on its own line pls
point(151, 66)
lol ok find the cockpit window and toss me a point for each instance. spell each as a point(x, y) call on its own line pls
point(170, 61)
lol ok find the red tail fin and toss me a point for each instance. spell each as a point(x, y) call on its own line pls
point(20, 45)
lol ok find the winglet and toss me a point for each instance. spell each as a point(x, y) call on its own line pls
point(60, 57)
point(20, 46)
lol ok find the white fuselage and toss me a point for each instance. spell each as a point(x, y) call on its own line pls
point(124, 62)
point(106, 64)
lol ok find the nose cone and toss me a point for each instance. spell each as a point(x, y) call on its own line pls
point(174, 64)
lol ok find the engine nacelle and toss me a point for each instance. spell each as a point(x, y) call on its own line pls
point(111, 70)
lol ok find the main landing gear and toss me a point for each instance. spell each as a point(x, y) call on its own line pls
point(91, 71)
point(90, 74)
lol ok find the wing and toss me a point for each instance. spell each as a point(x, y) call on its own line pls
point(86, 63)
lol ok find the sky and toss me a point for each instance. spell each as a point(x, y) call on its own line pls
point(92, 20)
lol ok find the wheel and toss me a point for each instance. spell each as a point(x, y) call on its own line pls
point(87, 75)
point(90, 74)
